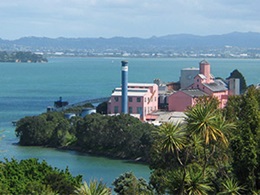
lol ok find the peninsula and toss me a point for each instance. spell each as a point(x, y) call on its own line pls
point(21, 56)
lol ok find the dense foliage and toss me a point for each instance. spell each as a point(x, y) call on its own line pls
point(244, 110)
point(50, 129)
point(102, 108)
point(216, 151)
point(121, 136)
point(33, 177)
point(128, 184)
point(21, 57)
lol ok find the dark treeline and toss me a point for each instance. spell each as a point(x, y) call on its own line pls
point(216, 151)
point(121, 136)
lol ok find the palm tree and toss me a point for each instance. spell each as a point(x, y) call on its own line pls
point(195, 148)
point(94, 188)
point(172, 139)
point(231, 187)
point(202, 119)
point(196, 183)
point(206, 121)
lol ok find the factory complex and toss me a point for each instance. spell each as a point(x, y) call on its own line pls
point(159, 102)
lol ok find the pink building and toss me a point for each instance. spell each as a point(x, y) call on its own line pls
point(142, 99)
point(203, 84)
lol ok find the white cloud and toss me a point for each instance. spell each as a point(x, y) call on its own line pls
point(107, 18)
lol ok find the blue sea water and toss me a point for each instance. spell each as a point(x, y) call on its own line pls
point(27, 89)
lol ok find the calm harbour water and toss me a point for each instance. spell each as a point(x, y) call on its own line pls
point(27, 89)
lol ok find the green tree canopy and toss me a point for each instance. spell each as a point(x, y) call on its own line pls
point(245, 140)
point(128, 184)
point(33, 177)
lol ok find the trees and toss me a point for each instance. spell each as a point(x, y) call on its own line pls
point(62, 134)
point(231, 187)
point(21, 56)
point(191, 158)
point(128, 184)
point(178, 172)
point(245, 140)
point(221, 150)
point(121, 136)
point(197, 183)
point(202, 120)
point(102, 108)
point(33, 177)
point(195, 157)
point(206, 120)
point(171, 139)
point(33, 131)
point(45, 129)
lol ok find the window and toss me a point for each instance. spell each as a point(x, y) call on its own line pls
point(130, 110)
point(139, 110)
point(116, 109)
point(138, 99)
point(130, 99)
point(116, 99)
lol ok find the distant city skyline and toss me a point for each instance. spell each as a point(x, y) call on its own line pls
point(127, 18)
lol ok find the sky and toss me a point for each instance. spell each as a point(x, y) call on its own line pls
point(127, 18)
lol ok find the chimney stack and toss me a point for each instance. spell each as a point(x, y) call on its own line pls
point(124, 87)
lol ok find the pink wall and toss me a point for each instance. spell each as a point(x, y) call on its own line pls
point(179, 101)
point(198, 83)
point(148, 102)
point(221, 95)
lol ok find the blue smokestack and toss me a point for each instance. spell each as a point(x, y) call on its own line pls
point(124, 87)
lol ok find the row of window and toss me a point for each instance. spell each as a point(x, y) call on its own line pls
point(138, 99)
point(130, 110)
point(130, 99)
point(139, 110)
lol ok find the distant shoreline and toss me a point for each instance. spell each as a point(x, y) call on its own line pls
point(151, 57)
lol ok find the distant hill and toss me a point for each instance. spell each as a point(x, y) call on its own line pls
point(179, 41)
